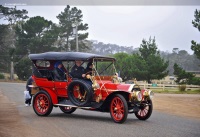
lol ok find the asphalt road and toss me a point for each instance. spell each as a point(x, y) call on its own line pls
point(84, 123)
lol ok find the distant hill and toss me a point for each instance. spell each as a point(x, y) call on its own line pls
point(181, 57)
point(107, 49)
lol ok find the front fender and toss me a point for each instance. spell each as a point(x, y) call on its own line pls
point(106, 103)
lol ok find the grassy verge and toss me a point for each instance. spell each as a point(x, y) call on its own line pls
point(178, 92)
point(12, 81)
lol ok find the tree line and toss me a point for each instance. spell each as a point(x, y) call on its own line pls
point(185, 60)
point(23, 35)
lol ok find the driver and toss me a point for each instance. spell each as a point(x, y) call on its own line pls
point(77, 70)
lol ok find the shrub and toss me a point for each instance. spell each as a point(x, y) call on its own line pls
point(2, 76)
point(194, 81)
point(23, 69)
point(182, 87)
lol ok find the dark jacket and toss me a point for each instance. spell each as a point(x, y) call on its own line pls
point(76, 72)
point(59, 74)
point(29, 82)
point(88, 70)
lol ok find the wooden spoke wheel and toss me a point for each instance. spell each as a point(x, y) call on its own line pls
point(42, 103)
point(145, 110)
point(67, 109)
point(118, 109)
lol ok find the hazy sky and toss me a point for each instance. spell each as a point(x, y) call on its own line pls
point(128, 25)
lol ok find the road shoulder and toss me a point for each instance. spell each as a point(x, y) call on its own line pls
point(11, 124)
point(184, 105)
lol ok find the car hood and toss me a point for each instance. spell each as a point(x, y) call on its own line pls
point(117, 87)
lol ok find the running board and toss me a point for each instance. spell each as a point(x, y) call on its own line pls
point(68, 103)
point(65, 105)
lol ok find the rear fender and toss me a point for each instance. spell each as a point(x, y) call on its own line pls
point(52, 94)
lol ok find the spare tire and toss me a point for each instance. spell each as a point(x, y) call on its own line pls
point(80, 93)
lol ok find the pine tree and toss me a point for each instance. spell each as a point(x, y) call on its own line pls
point(156, 66)
point(67, 18)
point(196, 23)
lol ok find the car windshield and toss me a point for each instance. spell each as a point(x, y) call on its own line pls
point(105, 68)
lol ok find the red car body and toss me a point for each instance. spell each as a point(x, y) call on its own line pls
point(106, 94)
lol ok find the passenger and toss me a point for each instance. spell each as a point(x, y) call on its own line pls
point(59, 71)
point(88, 69)
point(88, 73)
point(28, 88)
point(77, 70)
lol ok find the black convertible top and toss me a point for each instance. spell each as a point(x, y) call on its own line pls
point(68, 56)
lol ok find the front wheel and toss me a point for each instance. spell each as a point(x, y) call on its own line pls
point(118, 108)
point(66, 109)
point(145, 110)
point(42, 104)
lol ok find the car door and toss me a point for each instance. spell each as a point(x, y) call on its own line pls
point(60, 87)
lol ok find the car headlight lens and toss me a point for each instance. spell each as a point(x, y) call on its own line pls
point(148, 93)
point(151, 94)
point(137, 95)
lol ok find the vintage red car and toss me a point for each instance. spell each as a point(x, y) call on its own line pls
point(106, 93)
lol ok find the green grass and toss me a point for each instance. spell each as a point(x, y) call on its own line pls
point(178, 92)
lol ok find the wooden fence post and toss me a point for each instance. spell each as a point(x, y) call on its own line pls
point(163, 87)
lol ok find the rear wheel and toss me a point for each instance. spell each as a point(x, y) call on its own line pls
point(145, 110)
point(66, 109)
point(42, 104)
point(118, 109)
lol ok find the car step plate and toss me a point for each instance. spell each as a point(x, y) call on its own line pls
point(68, 103)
